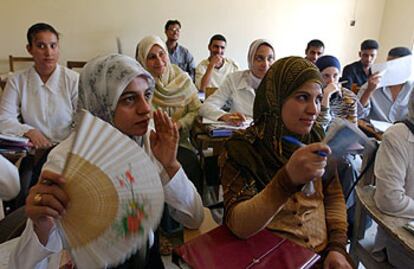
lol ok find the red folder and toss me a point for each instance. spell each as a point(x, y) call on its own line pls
point(219, 248)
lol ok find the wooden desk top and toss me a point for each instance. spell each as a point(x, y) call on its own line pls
point(392, 225)
point(367, 128)
point(207, 225)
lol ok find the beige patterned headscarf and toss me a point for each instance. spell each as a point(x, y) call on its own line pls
point(175, 87)
point(102, 81)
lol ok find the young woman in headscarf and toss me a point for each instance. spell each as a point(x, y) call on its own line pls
point(337, 101)
point(116, 89)
point(239, 88)
point(262, 175)
point(176, 94)
point(394, 193)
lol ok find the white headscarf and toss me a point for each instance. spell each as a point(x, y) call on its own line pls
point(253, 80)
point(102, 81)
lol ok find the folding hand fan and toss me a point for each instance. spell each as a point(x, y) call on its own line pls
point(115, 193)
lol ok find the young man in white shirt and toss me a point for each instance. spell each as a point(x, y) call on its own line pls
point(212, 71)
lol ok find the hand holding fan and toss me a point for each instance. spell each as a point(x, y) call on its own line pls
point(115, 192)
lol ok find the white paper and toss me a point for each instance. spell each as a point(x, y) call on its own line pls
point(394, 72)
point(381, 126)
point(222, 124)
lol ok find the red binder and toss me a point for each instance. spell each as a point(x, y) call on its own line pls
point(219, 248)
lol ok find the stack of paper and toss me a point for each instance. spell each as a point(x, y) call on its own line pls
point(223, 129)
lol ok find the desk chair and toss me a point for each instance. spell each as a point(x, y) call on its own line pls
point(361, 246)
point(75, 64)
point(13, 225)
point(13, 60)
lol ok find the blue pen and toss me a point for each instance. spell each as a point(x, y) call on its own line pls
point(294, 141)
point(309, 187)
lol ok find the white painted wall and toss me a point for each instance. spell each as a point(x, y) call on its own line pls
point(397, 27)
point(90, 27)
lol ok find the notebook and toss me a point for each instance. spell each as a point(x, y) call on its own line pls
point(220, 249)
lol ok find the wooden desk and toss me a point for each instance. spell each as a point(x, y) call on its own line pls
point(393, 227)
point(207, 225)
point(369, 130)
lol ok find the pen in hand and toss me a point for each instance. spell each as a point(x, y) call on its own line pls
point(309, 188)
point(294, 141)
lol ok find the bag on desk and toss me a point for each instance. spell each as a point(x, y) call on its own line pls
point(219, 248)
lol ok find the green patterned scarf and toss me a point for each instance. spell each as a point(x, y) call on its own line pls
point(259, 150)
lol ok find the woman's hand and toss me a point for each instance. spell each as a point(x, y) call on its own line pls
point(236, 118)
point(46, 201)
point(336, 260)
point(305, 163)
point(164, 142)
point(38, 139)
point(330, 89)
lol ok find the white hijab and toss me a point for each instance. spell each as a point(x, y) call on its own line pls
point(253, 80)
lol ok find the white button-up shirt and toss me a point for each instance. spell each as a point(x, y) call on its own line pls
point(382, 107)
point(28, 103)
point(235, 89)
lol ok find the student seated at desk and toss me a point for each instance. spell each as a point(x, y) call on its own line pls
point(340, 102)
point(387, 103)
point(394, 195)
point(176, 94)
point(239, 88)
point(212, 71)
point(43, 96)
point(262, 175)
point(116, 89)
point(337, 101)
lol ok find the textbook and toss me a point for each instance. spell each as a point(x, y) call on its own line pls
point(343, 137)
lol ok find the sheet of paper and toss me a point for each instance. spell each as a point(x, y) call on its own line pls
point(222, 124)
point(381, 126)
point(395, 71)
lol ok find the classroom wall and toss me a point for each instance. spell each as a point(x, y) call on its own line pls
point(397, 27)
point(90, 27)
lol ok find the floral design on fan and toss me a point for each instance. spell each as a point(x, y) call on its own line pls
point(133, 211)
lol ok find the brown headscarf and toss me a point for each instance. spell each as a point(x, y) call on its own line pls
point(259, 150)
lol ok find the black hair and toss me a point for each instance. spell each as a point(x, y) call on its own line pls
point(399, 52)
point(37, 28)
point(171, 22)
point(315, 43)
point(217, 37)
point(369, 44)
